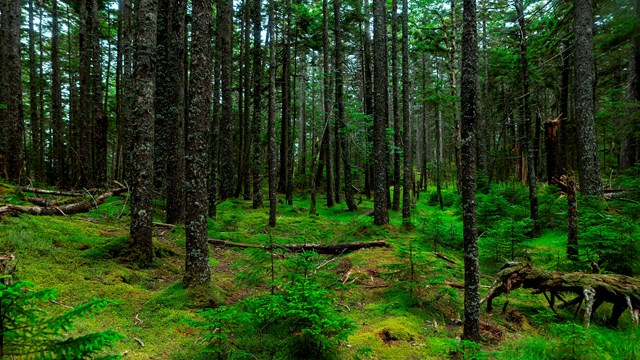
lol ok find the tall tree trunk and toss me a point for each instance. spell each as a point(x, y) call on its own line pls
point(563, 134)
point(84, 130)
point(326, 147)
point(395, 106)
point(572, 217)
point(225, 32)
point(58, 158)
point(214, 141)
point(129, 92)
point(406, 117)
point(12, 127)
point(100, 120)
point(142, 132)
point(302, 114)
point(256, 123)
point(629, 144)
point(197, 271)
point(468, 99)
point(271, 122)
point(529, 132)
point(246, 118)
point(342, 141)
point(589, 165)
point(380, 115)
point(285, 125)
point(482, 130)
point(368, 94)
point(34, 122)
point(170, 107)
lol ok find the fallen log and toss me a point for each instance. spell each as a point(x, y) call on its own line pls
point(74, 208)
point(49, 201)
point(334, 249)
point(622, 291)
point(51, 192)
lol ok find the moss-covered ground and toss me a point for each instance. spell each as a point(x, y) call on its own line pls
point(399, 313)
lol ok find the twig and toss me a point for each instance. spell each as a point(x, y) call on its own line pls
point(346, 307)
point(139, 342)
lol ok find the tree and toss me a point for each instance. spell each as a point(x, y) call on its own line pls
point(406, 117)
point(100, 120)
point(256, 121)
point(170, 106)
point(59, 168)
point(197, 271)
point(468, 100)
point(271, 122)
point(395, 106)
point(141, 132)
point(11, 121)
point(380, 114)
point(589, 165)
point(326, 136)
point(225, 31)
point(343, 144)
point(34, 121)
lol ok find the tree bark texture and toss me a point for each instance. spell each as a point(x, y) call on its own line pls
point(256, 121)
point(100, 121)
point(34, 122)
point(395, 106)
point(406, 118)
point(11, 118)
point(142, 132)
point(380, 115)
point(572, 216)
point(469, 85)
point(589, 165)
point(58, 158)
point(225, 33)
point(326, 137)
point(271, 121)
point(197, 271)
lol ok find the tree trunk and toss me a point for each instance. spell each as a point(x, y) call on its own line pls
point(36, 142)
point(246, 119)
point(271, 122)
point(58, 158)
point(395, 203)
point(529, 131)
point(256, 123)
point(214, 142)
point(406, 118)
point(572, 216)
point(326, 138)
point(468, 99)
point(380, 116)
point(589, 165)
point(197, 271)
point(341, 140)
point(302, 136)
point(100, 120)
point(84, 176)
point(11, 160)
point(285, 125)
point(142, 132)
point(225, 34)
point(368, 95)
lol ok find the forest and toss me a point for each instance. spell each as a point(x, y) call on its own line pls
point(301, 179)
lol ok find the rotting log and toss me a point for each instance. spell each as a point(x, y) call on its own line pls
point(337, 248)
point(74, 208)
point(51, 192)
point(594, 289)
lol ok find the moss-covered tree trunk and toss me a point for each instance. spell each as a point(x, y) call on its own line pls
point(271, 122)
point(256, 121)
point(225, 35)
point(197, 271)
point(58, 158)
point(406, 119)
point(142, 132)
point(395, 106)
point(469, 85)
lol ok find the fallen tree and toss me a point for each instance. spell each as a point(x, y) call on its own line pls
point(67, 209)
point(51, 192)
point(337, 248)
point(594, 289)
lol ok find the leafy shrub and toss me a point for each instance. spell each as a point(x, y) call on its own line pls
point(27, 331)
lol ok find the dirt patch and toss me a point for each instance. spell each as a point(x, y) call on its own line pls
point(491, 332)
point(387, 338)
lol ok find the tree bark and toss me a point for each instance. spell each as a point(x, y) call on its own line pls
point(100, 120)
point(197, 271)
point(589, 165)
point(380, 116)
point(84, 129)
point(34, 122)
point(225, 34)
point(468, 99)
point(58, 158)
point(326, 137)
point(142, 132)
point(11, 125)
point(271, 122)
point(256, 122)
point(572, 217)
point(406, 118)
point(395, 106)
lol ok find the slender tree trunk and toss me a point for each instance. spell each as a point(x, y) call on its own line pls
point(380, 116)
point(84, 130)
point(563, 133)
point(406, 117)
point(59, 168)
point(589, 165)
point(341, 140)
point(11, 154)
point(34, 122)
point(397, 135)
point(169, 160)
point(326, 148)
point(368, 95)
point(100, 120)
point(129, 92)
point(246, 119)
point(285, 125)
point(271, 122)
point(197, 271)
point(142, 132)
point(529, 132)
point(256, 123)
point(302, 114)
point(225, 34)
point(214, 141)
point(468, 99)
point(572, 217)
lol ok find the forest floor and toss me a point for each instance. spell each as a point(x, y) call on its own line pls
point(397, 315)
